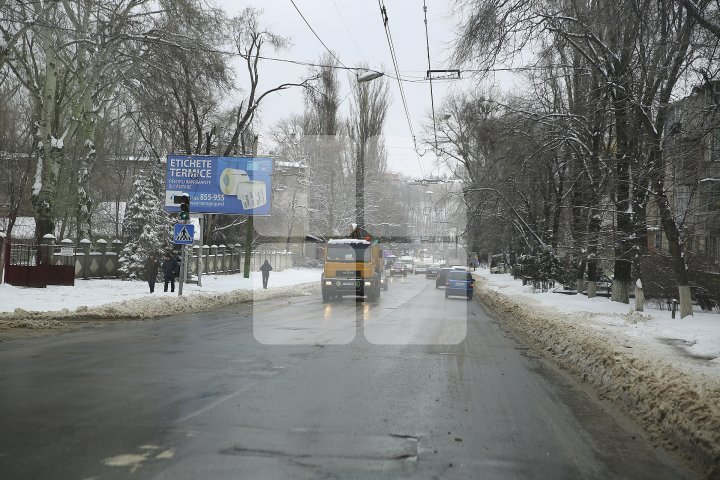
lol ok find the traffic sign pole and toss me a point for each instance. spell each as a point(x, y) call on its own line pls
point(183, 269)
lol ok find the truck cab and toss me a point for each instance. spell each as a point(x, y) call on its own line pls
point(352, 267)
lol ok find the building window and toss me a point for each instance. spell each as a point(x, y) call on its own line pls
point(710, 198)
point(682, 202)
point(658, 239)
point(714, 249)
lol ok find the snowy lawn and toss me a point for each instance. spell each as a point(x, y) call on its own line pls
point(698, 336)
point(94, 293)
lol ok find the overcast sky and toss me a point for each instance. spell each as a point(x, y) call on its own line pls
point(354, 30)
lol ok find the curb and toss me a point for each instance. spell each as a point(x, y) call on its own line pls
point(679, 411)
point(147, 308)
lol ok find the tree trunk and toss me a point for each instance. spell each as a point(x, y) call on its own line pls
point(675, 242)
point(3, 240)
point(48, 149)
point(685, 300)
point(84, 207)
point(581, 274)
point(621, 290)
point(624, 230)
point(639, 297)
point(207, 231)
point(591, 289)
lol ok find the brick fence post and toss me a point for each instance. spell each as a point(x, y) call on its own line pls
point(85, 246)
point(67, 258)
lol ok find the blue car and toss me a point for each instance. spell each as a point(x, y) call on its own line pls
point(459, 283)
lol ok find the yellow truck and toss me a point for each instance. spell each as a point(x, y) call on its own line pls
point(352, 267)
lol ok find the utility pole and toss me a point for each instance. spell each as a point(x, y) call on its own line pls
point(250, 227)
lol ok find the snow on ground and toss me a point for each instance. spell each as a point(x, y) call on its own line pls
point(112, 298)
point(665, 373)
point(698, 337)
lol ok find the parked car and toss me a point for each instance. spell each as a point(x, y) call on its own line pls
point(421, 268)
point(398, 268)
point(460, 284)
point(442, 277)
point(432, 271)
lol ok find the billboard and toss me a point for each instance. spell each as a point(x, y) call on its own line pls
point(228, 185)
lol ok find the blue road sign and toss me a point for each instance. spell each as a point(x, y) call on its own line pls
point(229, 185)
point(184, 234)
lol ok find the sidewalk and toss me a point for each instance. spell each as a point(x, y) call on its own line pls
point(695, 338)
point(107, 299)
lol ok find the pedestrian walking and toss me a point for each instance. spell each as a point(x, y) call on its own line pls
point(169, 266)
point(151, 271)
point(265, 269)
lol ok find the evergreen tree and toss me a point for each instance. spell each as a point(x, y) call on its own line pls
point(146, 226)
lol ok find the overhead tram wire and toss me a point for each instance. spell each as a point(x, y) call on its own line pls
point(316, 35)
point(432, 96)
point(393, 55)
point(357, 47)
point(405, 78)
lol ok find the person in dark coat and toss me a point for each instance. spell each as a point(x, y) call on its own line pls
point(169, 266)
point(265, 269)
point(178, 262)
point(151, 271)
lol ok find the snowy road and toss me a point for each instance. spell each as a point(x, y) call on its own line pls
point(414, 386)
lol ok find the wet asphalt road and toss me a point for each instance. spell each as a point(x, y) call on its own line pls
point(414, 386)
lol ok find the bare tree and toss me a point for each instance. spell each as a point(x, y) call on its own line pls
point(368, 113)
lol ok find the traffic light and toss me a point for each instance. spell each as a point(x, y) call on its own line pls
point(184, 201)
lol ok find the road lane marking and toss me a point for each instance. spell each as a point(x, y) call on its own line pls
point(208, 407)
point(214, 404)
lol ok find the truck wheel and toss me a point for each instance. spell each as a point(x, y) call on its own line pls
point(325, 296)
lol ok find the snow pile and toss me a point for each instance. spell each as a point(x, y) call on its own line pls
point(615, 352)
point(31, 324)
point(116, 299)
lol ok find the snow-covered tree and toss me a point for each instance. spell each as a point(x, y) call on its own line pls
point(146, 226)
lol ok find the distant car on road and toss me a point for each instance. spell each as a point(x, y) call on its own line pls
point(421, 268)
point(398, 268)
point(459, 284)
point(442, 277)
point(432, 271)
point(384, 280)
point(408, 261)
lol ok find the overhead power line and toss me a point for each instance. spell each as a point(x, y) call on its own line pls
point(316, 35)
point(348, 30)
point(393, 55)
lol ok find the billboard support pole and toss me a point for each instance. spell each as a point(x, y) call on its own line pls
point(200, 264)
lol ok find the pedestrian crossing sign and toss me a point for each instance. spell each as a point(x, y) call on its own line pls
point(184, 234)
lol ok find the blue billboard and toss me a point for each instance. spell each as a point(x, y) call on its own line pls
point(229, 185)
